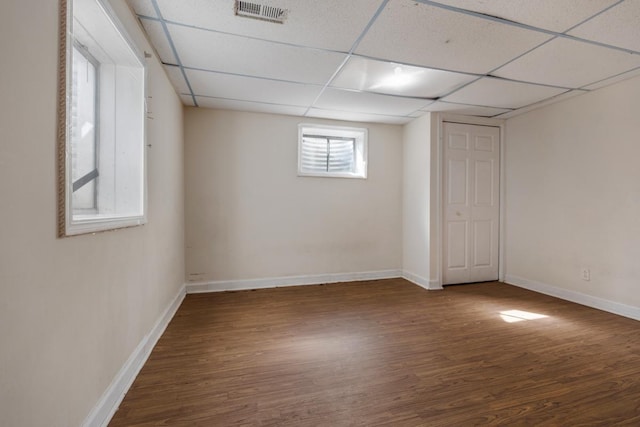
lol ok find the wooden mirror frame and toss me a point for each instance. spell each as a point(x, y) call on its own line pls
point(134, 212)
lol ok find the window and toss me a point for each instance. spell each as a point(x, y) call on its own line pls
point(102, 124)
point(332, 151)
point(84, 135)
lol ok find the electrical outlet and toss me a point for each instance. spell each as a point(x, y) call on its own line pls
point(586, 274)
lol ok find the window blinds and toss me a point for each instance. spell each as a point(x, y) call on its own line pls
point(327, 154)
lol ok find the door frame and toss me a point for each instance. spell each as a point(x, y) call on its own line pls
point(438, 245)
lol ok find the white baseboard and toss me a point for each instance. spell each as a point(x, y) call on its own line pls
point(435, 285)
point(431, 285)
point(108, 404)
point(276, 282)
point(574, 296)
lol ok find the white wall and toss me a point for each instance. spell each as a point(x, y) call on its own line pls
point(416, 200)
point(249, 216)
point(72, 310)
point(573, 195)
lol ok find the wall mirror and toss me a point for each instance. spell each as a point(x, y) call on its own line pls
point(101, 122)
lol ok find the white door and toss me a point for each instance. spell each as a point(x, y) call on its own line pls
point(471, 203)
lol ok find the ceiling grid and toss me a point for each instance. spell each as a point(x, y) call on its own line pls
point(393, 60)
point(173, 49)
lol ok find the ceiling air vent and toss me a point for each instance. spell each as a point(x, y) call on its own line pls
point(260, 11)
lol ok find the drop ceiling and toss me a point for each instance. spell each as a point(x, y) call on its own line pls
point(390, 61)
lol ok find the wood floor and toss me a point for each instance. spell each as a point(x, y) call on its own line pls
point(388, 353)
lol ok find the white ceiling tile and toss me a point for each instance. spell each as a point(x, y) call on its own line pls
point(177, 79)
point(418, 113)
point(159, 40)
point(397, 79)
point(240, 55)
point(551, 15)
point(251, 89)
point(143, 7)
point(410, 33)
point(619, 26)
point(616, 79)
point(418, 34)
point(227, 104)
point(357, 117)
point(568, 63)
point(498, 93)
point(371, 103)
point(466, 110)
point(327, 24)
point(187, 100)
point(549, 101)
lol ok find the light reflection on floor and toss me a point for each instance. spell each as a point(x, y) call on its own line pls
point(513, 316)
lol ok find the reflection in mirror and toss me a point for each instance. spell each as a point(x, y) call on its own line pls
point(101, 158)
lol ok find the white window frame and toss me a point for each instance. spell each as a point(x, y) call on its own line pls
point(360, 135)
point(133, 152)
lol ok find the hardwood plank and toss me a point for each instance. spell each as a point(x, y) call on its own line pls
point(387, 352)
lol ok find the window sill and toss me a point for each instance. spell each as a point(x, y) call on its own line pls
point(332, 175)
point(87, 224)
